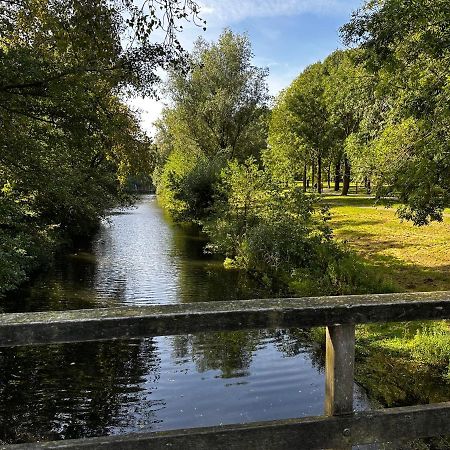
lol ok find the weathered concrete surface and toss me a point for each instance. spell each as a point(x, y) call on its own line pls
point(310, 433)
point(339, 369)
point(160, 320)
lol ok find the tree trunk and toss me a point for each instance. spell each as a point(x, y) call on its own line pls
point(329, 176)
point(346, 183)
point(313, 174)
point(337, 176)
point(319, 174)
point(305, 175)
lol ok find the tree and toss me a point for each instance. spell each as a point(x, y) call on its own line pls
point(406, 46)
point(305, 115)
point(287, 157)
point(269, 227)
point(223, 99)
point(218, 113)
point(348, 92)
point(266, 224)
point(68, 141)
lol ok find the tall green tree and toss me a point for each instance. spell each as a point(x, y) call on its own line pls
point(223, 99)
point(306, 123)
point(67, 139)
point(348, 92)
point(406, 45)
point(218, 113)
point(287, 156)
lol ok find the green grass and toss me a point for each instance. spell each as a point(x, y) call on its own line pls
point(413, 258)
point(399, 363)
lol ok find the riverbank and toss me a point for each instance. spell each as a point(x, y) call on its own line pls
point(399, 363)
point(268, 374)
point(402, 257)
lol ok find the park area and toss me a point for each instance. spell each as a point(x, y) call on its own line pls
point(401, 361)
point(412, 258)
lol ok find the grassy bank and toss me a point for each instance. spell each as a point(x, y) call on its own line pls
point(402, 363)
point(413, 258)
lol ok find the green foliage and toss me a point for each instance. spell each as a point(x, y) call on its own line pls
point(287, 153)
point(177, 165)
point(343, 274)
point(381, 107)
point(23, 246)
point(431, 345)
point(316, 114)
point(223, 100)
point(404, 363)
point(305, 101)
point(187, 185)
point(68, 142)
point(218, 113)
point(272, 228)
point(406, 48)
point(299, 132)
point(22, 242)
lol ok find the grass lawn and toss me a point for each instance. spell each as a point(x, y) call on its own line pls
point(413, 258)
point(399, 363)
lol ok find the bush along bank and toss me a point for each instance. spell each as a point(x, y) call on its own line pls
point(267, 227)
point(281, 235)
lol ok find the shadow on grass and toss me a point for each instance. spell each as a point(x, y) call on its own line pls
point(369, 243)
point(402, 274)
point(340, 223)
point(408, 277)
point(351, 200)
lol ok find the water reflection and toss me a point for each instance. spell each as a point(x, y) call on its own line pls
point(89, 389)
point(138, 257)
point(68, 391)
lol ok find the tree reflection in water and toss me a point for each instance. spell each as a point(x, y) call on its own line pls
point(71, 390)
point(90, 389)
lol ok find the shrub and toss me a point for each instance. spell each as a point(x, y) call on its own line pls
point(274, 229)
point(186, 185)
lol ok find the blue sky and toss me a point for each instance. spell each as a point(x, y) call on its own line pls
point(286, 36)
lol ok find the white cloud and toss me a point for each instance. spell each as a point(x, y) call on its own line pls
point(219, 12)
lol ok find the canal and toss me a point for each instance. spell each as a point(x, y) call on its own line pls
point(139, 257)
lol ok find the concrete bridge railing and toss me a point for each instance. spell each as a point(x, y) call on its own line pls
point(339, 428)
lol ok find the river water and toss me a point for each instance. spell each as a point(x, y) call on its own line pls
point(139, 257)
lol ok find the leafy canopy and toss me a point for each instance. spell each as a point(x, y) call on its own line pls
point(406, 45)
point(217, 114)
point(68, 142)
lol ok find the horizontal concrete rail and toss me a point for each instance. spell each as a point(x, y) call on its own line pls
point(163, 320)
point(310, 433)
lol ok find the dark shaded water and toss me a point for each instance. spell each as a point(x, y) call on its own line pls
point(77, 390)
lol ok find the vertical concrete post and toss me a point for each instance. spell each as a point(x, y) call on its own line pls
point(339, 372)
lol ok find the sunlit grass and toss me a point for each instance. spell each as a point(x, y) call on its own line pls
point(414, 258)
point(399, 363)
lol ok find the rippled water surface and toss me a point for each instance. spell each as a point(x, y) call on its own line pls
point(88, 389)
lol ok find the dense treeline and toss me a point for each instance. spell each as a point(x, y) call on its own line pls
point(405, 138)
point(249, 171)
point(380, 110)
point(68, 141)
point(215, 169)
point(376, 113)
